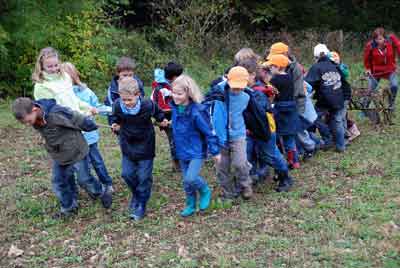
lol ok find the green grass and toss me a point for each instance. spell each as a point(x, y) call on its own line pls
point(342, 212)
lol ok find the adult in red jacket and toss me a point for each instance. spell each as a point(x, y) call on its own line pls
point(380, 60)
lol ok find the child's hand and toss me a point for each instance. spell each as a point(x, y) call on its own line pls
point(93, 111)
point(115, 127)
point(164, 123)
point(217, 159)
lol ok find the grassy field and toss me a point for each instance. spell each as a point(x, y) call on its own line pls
point(344, 211)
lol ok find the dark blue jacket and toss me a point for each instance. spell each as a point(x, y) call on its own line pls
point(137, 136)
point(255, 115)
point(286, 117)
point(330, 86)
point(193, 134)
point(112, 91)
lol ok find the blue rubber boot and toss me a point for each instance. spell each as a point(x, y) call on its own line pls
point(190, 208)
point(205, 197)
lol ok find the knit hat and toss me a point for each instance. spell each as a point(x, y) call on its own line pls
point(277, 49)
point(280, 61)
point(238, 77)
point(320, 48)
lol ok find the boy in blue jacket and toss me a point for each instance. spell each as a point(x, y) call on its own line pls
point(61, 129)
point(262, 149)
point(131, 118)
point(331, 91)
point(125, 68)
point(285, 107)
point(233, 169)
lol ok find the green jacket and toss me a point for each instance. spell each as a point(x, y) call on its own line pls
point(63, 132)
point(59, 87)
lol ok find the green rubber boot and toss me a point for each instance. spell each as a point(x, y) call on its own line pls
point(205, 197)
point(190, 208)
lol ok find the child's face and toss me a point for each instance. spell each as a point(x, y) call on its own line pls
point(380, 40)
point(265, 75)
point(125, 73)
point(129, 100)
point(51, 65)
point(180, 96)
point(252, 79)
point(172, 79)
point(31, 118)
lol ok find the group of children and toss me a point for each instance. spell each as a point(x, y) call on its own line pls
point(257, 116)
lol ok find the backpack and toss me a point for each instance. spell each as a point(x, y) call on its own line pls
point(158, 98)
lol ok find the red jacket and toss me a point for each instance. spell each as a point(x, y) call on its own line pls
point(382, 63)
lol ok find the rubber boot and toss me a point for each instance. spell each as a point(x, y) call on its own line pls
point(190, 208)
point(205, 197)
point(293, 159)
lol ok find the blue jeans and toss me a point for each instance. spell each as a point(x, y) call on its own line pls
point(254, 151)
point(86, 180)
point(97, 162)
point(192, 181)
point(373, 82)
point(305, 142)
point(270, 153)
point(333, 128)
point(138, 175)
point(64, 186)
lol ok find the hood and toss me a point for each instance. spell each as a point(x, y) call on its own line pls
point(50, 106)
point(114, 84)
point(159, 76)
point(46, 105)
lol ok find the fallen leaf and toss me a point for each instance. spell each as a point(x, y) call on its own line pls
point(14, 252)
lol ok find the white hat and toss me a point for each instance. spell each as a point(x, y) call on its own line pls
point(320, 48)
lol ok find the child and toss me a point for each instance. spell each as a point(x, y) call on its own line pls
point(294, 69)
point(331, 91)
point(94, 157)
point(194, 136)
point(131, 118)
point(125, 68)
point(263, 148)
point(285, 107)
point(245, 54)
point(350, 126)
point(53, 83)
point(162, 96)
point(308, 143)
point(61, 129)
point(233, 162)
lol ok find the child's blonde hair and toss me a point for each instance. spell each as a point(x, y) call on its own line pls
point(245, 54)
point(45, 53)
point(128, 85)
point(70, 69)
point(187, 84)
